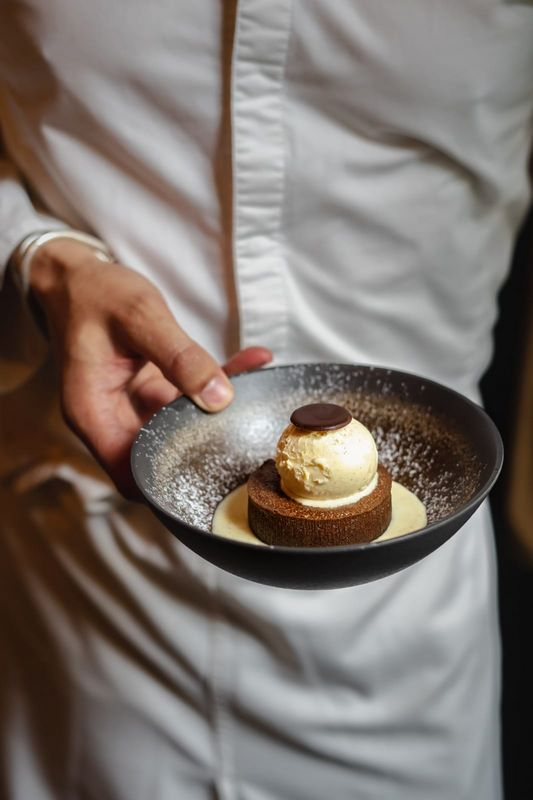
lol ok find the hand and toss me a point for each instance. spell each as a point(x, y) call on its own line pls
point(120, 352)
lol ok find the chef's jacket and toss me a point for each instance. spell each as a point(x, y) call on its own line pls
point(337, 181)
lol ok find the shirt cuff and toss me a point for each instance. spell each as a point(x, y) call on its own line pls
point(11, 238)
point(22, 258)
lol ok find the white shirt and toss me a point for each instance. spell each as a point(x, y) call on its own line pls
point(341, 181)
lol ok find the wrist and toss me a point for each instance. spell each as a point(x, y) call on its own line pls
point(44, 258)
point(52, 263)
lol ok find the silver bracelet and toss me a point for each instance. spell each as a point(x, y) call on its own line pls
point(28, 247)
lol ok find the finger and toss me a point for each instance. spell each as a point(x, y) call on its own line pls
point(111, 448)
point(149, 391)
point(247, 359)
point(151, 330)
point(122, 477)
point(106, 422)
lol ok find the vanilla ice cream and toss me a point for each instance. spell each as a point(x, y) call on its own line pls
point(327, 467)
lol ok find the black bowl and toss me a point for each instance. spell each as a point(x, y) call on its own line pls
point(433, 440)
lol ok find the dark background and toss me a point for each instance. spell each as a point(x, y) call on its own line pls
point(500, 386)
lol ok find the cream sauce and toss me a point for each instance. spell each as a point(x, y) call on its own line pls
point(231, 515)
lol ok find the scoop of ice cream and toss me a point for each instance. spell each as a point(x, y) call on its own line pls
point(327, 467)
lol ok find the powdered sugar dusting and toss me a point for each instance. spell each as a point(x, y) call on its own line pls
point(195, 459)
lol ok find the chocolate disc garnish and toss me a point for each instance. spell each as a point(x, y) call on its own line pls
point(321, 417)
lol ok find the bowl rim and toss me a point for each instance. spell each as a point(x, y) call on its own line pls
point(466, 510)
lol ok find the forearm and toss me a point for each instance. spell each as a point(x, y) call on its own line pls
point(18, 216)
point(22, 348)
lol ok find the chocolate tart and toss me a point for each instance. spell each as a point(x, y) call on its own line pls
point(277, 519)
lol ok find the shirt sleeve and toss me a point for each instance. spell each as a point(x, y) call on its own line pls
point(18, 216)
point(23, 348)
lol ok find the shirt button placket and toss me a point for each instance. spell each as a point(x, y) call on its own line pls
point(258, 134)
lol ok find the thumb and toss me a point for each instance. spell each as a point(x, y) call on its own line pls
point(152, 332)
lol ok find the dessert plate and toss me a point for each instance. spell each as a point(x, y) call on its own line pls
point(433, 440)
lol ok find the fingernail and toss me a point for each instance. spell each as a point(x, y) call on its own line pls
point(215, 395)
